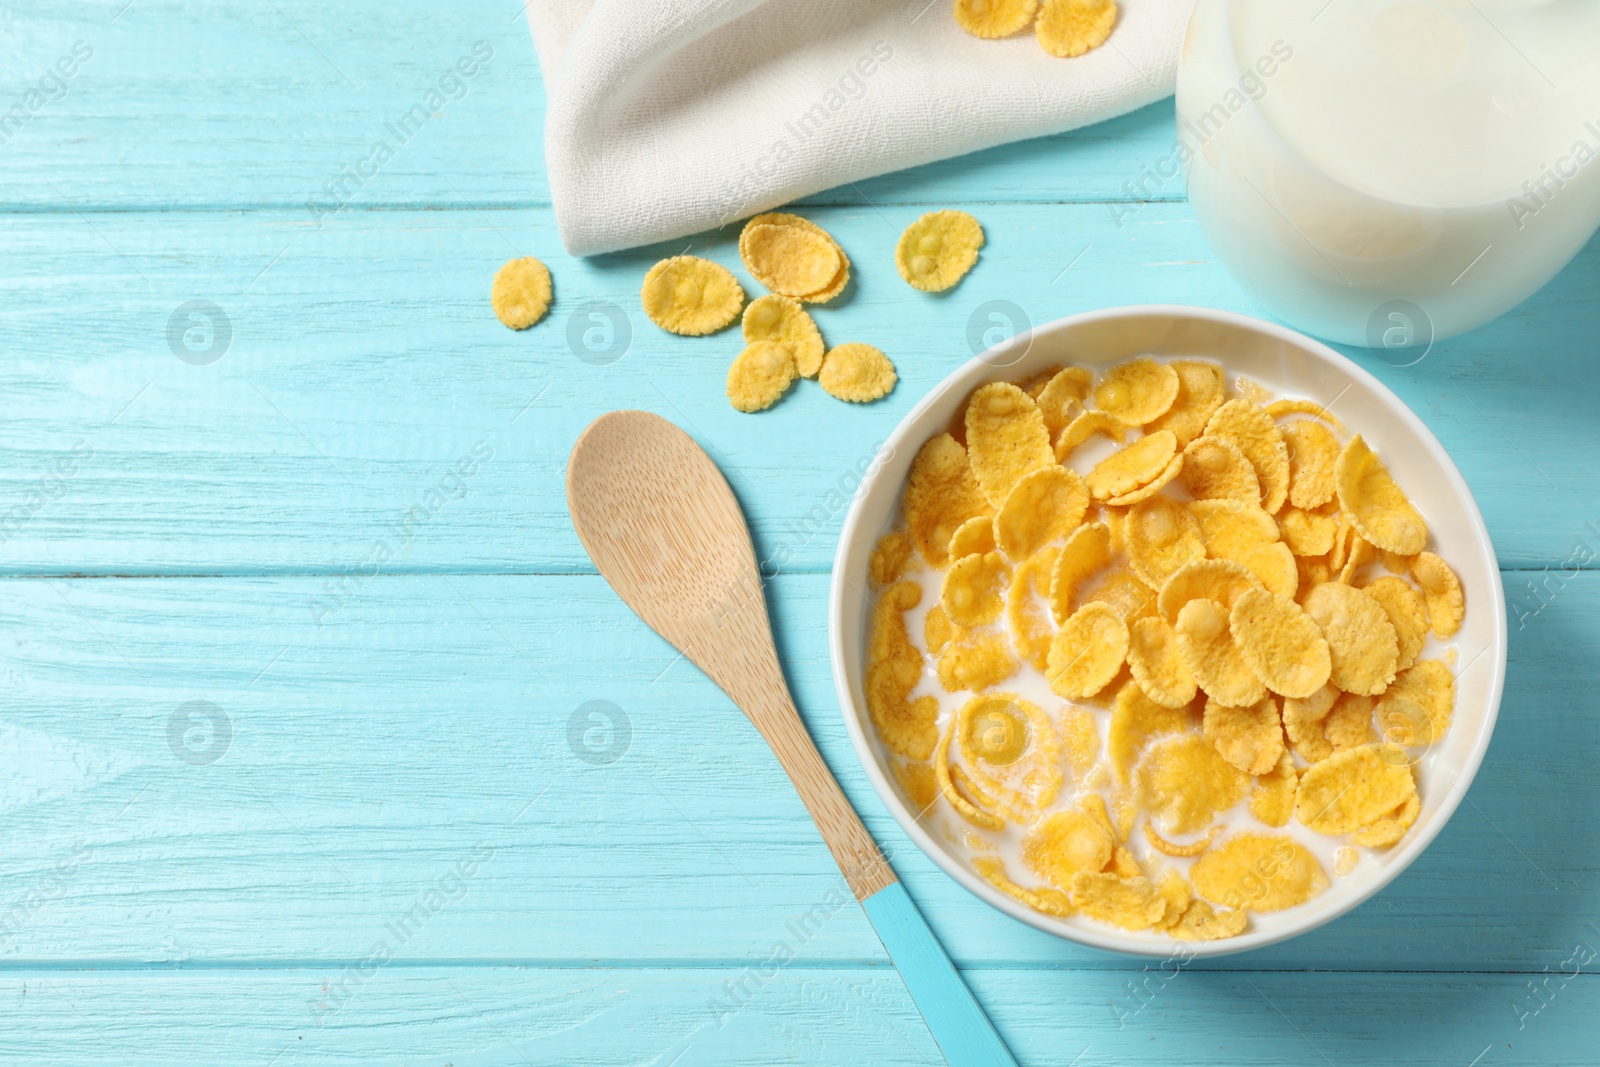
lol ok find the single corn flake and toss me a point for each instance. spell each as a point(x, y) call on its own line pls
point(894, 666)
point(1049, 901)
point(1088, 652)
point(1044, 505)
point(1295, 406)
point(995, 18)
point(1212, 656)
point(972, 589)
point(1230, 526)
point(974, 535)
point(1084, 426)
point(1417, 707)
point(778, 218)
point(1249, 738)
point(760, 375)
point(941, 495)
point(1354, 788)
point(1150, 488)
point(1138, 391)
point(1157, 663)
point(1128, 469)
point(1262, 872)
point(775, 317)
point(1377, 506)
point(856, 372)
point(789, 260)
point(937, 250)
point(1303, 720)
point(1006, 438)
point(1086, 552)
point(1201, 922)
point(1130, 903)
point(981, 661)
point(520, 294)
point(1135, 721)
point(1068, 28)
point(1027, 612)
point(1184, 783)
point(891, 559)
point(1173, 848)
point(1272, 799)
point(1161, 537)
point(1221, 580)
point(1407, 614)
point(1391, 828)
point(1441, 591)
point(1307, 533)
point(1066, 843)
point(1201, 391)
point(1349, 723)
point(691, 296)
point(1258, 437)
point(1282, 644)
point(1061, 398)
point(1362, 645)
point(1313, 453)
point(1215, 468)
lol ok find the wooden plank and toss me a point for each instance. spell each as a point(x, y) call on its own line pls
point(364, 366)
point(263, 105)
point(788, 1014)
point(369, 755)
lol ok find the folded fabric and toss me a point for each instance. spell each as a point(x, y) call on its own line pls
point(667, 117)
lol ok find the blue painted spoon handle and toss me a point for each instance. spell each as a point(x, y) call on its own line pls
point(959, 1026)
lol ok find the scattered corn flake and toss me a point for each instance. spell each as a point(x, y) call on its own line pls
point(995, 18)
point(1123, 591)
point(779, 218)
point(1221, 580)
point(1345, 860)
point(1201, 391)
point(1068, 28)
point(1349, 722)
point(974, 535)
point(1010, 750)
point(1375, 503)
point(1201, 922)
point(1087, 551)
point(1391, 828)
point(520, 294)
point(691, 296)
point(1294, 406)
point(789, 260)
point(1173, 848)
point(960, 792)
point(1344, 536)
point(1061, 398)
point(980, 661)
point(1063, 844)
point(775, 317)
point(918, 783)
point(1044, 505)
point(1354, 788)
point(1441, 591)
point(1407, 614)
point(1161, 537)
point(1131, 903)
point(1138, 392)
point(1157, 663)
point(1027, 612)
point(1273, 566)
point(941, 494)
point(973, 588)
point(1250, 427)
point(1050, 901)
point(1261, 872)
point(1184, 783)
point(891, 559)
point(1138, 464)
point(1358, 556)
point(1307, 533)
point(1081, 738)
point(1417, 707)
point(894, 666)
point(760, 375)
point(1362, 644)
point(1215, 468)
point(1396, 562)
point(1151, 488)
point(1175, 892)
point(1083, 427)
point(1212, 656)
point(1135, 721)
point(1249, 738)
point(1088, 652)
point(1313, 571)
point(856, 372)
point(938, 630)
point(1313, 453)
point(1303, 722)
point(1123, 864)
point(1272, 799)
point(936, 251)
point(1282, 644)
point(1229, 526)
point(1006, 439)
point(1034, 383)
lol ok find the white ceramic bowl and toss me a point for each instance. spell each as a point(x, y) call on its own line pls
point(1290, 364)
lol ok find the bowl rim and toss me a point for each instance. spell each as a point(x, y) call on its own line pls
point(969, 376)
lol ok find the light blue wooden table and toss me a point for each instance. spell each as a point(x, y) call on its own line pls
point(299, 646)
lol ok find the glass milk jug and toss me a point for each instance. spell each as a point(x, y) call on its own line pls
point(1388, 172)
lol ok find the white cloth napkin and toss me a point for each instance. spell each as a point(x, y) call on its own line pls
point(667, 117)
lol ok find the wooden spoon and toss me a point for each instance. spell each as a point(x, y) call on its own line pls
point(658, 519)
